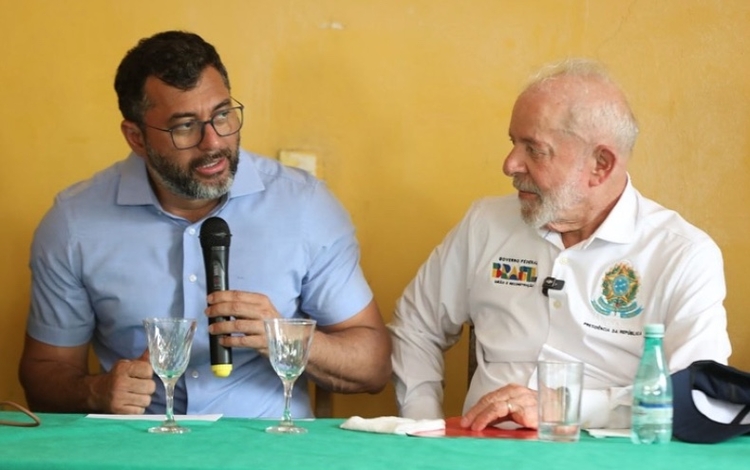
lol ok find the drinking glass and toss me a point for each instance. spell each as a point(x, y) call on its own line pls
point(560, 386)
point(169, 343)
point(289, 341)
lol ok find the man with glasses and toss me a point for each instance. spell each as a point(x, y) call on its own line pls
point(124, 246)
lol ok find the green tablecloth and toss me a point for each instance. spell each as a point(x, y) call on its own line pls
point(76, 442)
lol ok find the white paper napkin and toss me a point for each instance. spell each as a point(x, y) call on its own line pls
point(609, 432)
point(392, 424)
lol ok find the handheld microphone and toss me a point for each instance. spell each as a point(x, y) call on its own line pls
point(214, 238)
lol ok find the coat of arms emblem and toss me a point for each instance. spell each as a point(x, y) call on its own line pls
point(620, 286)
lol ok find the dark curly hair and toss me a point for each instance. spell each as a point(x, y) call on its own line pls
point(175, 57)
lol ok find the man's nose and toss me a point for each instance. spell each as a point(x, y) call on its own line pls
point(513, 163)
point(211, 139)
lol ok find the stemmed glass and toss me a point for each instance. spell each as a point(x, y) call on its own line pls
point(289, 341)
point(169, 343)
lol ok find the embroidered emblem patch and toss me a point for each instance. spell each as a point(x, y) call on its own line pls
point(619, 290)
point(514, 271)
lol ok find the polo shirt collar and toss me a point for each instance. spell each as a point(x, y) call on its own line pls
point(135, 189)
point(619, 226)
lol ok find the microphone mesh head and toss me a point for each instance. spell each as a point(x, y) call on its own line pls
point(215, 232)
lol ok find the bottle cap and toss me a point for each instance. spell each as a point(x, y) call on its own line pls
point(654, 329)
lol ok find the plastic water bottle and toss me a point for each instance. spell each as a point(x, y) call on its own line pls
point(651, 419)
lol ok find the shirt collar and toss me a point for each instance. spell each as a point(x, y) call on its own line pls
point(135, 189)
point(619, 226)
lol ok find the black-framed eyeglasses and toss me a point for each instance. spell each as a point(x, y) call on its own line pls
point(189, 134)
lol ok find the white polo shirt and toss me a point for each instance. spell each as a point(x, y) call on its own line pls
point(644, 264)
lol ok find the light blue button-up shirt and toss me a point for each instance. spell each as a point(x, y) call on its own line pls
point(106, 256)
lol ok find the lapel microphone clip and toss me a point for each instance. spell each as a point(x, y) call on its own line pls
point(551, 283)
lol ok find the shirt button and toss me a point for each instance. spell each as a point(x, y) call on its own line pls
point(191, 231)
point(563, 260)
point(557, 304)
point(194, 374)
point(193, 278)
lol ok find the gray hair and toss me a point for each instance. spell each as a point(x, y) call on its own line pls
point(607, 114)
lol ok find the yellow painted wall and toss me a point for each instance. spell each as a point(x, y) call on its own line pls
point(405, 102)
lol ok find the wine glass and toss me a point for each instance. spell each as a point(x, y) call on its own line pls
point(169, 343)
point(289, 341)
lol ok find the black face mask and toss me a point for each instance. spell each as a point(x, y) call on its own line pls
point(696, 419)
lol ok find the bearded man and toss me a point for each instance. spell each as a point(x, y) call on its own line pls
point(569, 269)
point(124, 246)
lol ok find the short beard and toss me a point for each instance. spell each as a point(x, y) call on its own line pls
point(550, 206)
point(181, 182)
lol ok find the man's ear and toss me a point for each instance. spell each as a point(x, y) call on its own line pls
point(134, 137)
point(605, 161)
